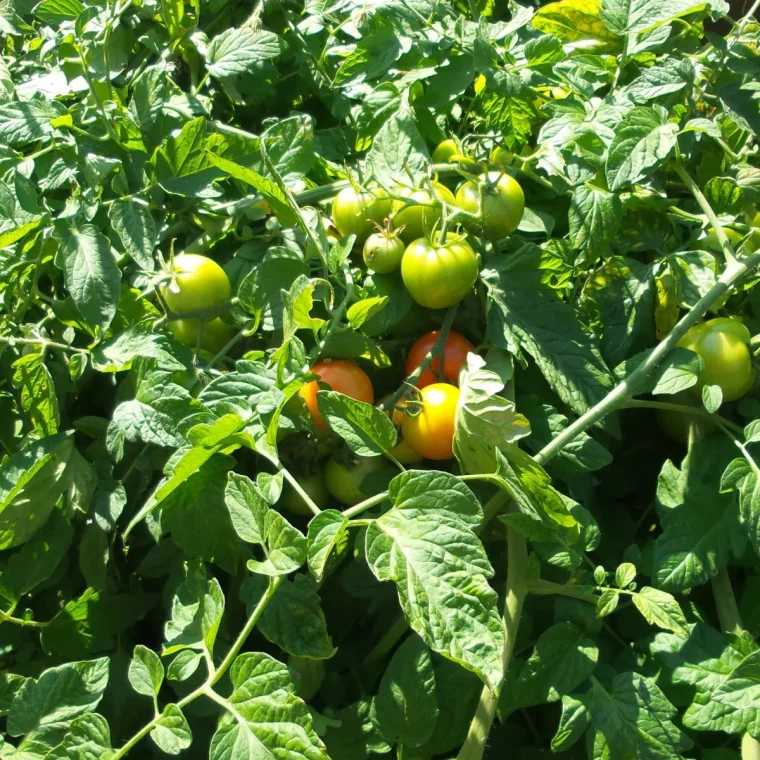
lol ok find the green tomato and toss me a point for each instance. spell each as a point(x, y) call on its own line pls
point(503, 204)
point(356, 213)
point(383, 251)
point(723, 345)
point(315, 488)
point(448, 152)
point(438, 275)
point(344, 481)
point(416, 221)
point(216, 333)
point(198, 283)
point(677, 425)
point(501, 155)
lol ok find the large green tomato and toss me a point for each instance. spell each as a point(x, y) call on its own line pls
point(438, 275)
point(383, 251)
point(503, 204)
point(344, 481)
point(315, 488)
point(198, 283)
point(356, 213)
point(416, 221)
point(216, 333)
point(723, 345)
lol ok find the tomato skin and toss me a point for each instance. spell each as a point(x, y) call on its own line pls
point(356, 212)
point(344, 481)
point(342, 376)
point(439, 275)
point(501, 155)
point(455, 352)
point(677, 424)
point(404, 453)
point(199, 283)
point(316, 490)
point(723, 345)
point(446, 151)
point(216, 333)
point(382, 252)
point(431, 432)
point(503, 205)
point(416, 221)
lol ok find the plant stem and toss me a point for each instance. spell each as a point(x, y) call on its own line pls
point(46, 343)
point(363, 506)
point(517, 563)
point(389, 640)
point(694, 411)
point(637, 380)
point(234, 340)
point(435, 350)
point(7, 617)
point(544, 588)
point(296, 486)
point(206, 688)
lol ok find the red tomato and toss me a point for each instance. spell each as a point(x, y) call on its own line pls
point(454, 357)
point(342, 376)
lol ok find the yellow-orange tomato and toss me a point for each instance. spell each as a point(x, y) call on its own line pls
point(455, 352)
point(431, 432)
point(404, 453)
point(341, 376)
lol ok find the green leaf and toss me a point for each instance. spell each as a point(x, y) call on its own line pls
point(635, 719)
point(58, 696)
point(643, 140)
point(146, 671)
point(660, 608)
point(712, 397)
point(625, 574)
point(88, 737)
point(184, 665)
point(622, 16)
point(607, 603)
point(367, 430)
point(700, 526)
point(53, 12)
point(263, 696)
point(572, 20)
point(680, 370)
point(22, 123)
point(594, 218)
point(361, 311)
point(31, 482)
point(372, 56)
point(196, 613)
point(254, 521)
point(425, 544)
point(406, 707)
point(293, 619)
point(119, 353)
point(673, 75)
point(90, 272)
point(546, 328)
point(397, 148)
point(572, 724)
point(563, 658)
point(327, 532)
point(355, 734)
point(136, 229)
point(732, 705)
point(38, 394)
point(172, 733)
point(240, 51)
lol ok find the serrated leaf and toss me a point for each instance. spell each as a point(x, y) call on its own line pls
point(594, 218)
point(119, 353)
point(135, 227)
point(240, 51)
point(425, 544)
point(327, 531)
point(37, 393)
point(367, 430)
point(254, 521)
point(572, 20)
point(660, 608)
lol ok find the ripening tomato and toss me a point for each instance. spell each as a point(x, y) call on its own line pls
point(342, 376)
point(501, 155)
point(723, 345)
point(216, 333)
point(383, 251)
point(356, 213)
point(344, 481)
point(455, 353)
point(431, 432)
point(198, 283)
point(316, 489)
point(415, 221)
point(438, 275)
point(503, 204)
point(402, 451)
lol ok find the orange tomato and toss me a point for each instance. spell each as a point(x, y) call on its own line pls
point(455, 353)
point(431, 432)
point(342, 376)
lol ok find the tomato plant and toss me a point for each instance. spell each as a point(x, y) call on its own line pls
point(439, 274)
point(341, 376)
point(455, 352)
point(430, 432)
point(503, 202)
point(213, 212)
